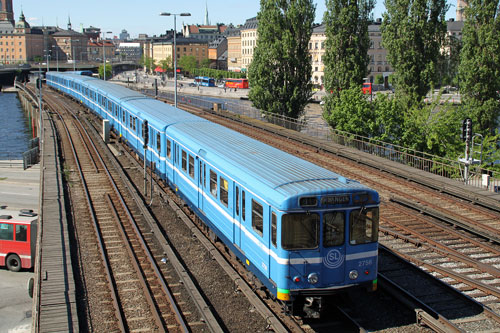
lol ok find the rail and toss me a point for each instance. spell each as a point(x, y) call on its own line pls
point(480, 177)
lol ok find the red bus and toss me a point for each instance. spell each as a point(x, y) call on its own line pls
point(17, 239)
point(367, 88)
point(237, 83)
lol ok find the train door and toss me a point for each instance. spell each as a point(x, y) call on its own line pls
point(333, 251)
point(201, 183)
point(175, 163)
point(237, 215)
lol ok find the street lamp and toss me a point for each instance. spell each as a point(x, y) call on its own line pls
point(104, 52)
point(47, 57)
point(74, 54)
point(54, 48)
point(175, 52)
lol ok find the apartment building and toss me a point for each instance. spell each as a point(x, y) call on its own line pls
point(248, 33)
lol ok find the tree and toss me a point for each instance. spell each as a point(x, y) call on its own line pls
point(166, 64)
point(147, 62)
point(449, 60)
point(347, 43)
point(280, 73)
point(479, 69)
point(188, 63)
point(205, 63)
point(108, 71)
point(413, 33)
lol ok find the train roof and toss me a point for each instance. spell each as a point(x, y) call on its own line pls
point(159, 114)
point(117, 92)
point(260, 167)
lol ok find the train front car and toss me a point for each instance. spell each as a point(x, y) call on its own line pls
point(329, 242)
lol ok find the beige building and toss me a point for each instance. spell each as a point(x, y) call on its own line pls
point(161, 50)
point(70, 45)
point(234, 50)
point(317, 52)
point(19, 43)
point(249, 37)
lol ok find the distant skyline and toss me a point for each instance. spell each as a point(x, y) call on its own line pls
point(143, 16)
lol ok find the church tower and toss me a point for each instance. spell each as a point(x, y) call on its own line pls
point(6, 12)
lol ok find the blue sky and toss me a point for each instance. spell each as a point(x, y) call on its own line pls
point(142, 16)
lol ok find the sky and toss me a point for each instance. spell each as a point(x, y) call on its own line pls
point(143, 16)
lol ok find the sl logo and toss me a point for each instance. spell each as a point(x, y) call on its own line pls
point(333, 259)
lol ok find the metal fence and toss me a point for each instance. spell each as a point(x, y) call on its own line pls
point(478, 177)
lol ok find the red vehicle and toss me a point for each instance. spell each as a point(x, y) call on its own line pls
point(17, 239)
point(367, 88)
point(237, 83)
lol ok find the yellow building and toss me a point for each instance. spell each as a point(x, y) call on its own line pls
point(248, 42)
point(161, 50)
point(19, 43)
point(234, 51)
point(317, 52)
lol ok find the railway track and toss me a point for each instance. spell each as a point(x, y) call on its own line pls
point(468, 261)
point(390, 226)
point(437, 305)
point(127, 287)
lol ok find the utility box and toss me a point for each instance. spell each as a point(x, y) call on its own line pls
point(486, 180)
point(105, 130)
point(217, 107)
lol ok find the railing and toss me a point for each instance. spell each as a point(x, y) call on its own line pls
point(478, 177)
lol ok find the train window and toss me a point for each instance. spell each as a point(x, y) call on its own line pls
point(364, 226)
point(130, 121)
point(184, 161)
point(124, 116)
point(274, 222)
point(158, 142)
point(191, 166)
point(223, 191)
point(243, 205)
point(201, 173)
point(333, 229)
point(300, 231)
point(6, 231)
point(213, 183)
point(237, 200)
point(257, 217)
point(21, 233)
point(168, 148)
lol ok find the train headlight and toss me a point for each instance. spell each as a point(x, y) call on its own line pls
point(353, 275)
point(313, 278)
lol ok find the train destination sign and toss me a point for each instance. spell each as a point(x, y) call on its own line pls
point(340, 199)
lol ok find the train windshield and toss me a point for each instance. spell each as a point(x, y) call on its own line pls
point(364, 226)
point(300, 231)
point(333, 229)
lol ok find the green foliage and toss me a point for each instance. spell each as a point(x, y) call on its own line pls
point(379, 79)
point(205, 63)
point(108, 71)
point(37, 58)
point(479, 70)
point(448, 61)
point(148, 62)
point(187, 63)
point(167, 64)
point(413, 32)
point(350, 111)
point(346, 57)
point(280, 73)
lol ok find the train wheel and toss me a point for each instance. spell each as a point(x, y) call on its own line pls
point(13, 263)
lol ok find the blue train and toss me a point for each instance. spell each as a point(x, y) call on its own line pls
point(304, 231)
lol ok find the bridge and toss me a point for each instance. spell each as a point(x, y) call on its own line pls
point(10, 72)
